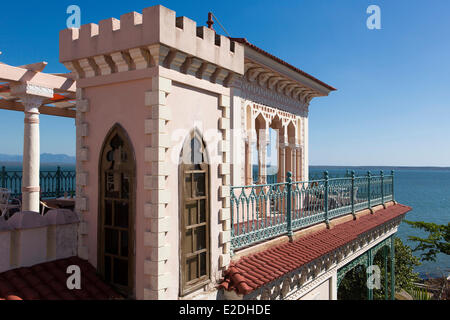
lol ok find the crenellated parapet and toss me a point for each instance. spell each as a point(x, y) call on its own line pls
point(151, 38)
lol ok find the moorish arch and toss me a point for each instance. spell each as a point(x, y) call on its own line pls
point(366, 260)
point(385, 251)
point(261, 138)
point(276, 127)
point(194, 214)
point(260, 123)
point(300, 150)
point(249, 145)
point(290, 149)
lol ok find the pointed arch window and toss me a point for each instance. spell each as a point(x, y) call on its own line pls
point(116, 211)
point(194, 216)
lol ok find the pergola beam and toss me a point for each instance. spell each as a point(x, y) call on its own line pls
point(17, 74)
point(36, 92)
point(51, 111)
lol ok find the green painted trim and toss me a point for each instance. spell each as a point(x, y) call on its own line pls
point(264, 211)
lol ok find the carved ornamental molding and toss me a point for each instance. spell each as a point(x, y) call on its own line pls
point(263, 85)
point(255, 92)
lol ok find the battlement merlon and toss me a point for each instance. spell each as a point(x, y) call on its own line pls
point(156, 25)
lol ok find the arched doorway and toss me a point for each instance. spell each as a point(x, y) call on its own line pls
point(381, 258)
point(116, 230)
point(352, 278)
point(353, 285)
point(367, 276)
point(260, 176)
point(274, 166)
point(194, 215)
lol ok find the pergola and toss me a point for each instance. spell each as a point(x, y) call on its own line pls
point(26, 88)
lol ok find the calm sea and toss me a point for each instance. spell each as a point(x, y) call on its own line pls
point(426, 190)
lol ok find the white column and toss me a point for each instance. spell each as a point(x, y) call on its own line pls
point(292, 157)
point(294, 163)
point(31, 97)
point(288, 159)
point(333, 286)
point(248, 161)
point(237, 138)
point(298, 164)
point(282, 163)
point(31, 155)
point(305, 146)
point(262, 154)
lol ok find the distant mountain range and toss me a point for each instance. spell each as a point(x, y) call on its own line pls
point(45, 158)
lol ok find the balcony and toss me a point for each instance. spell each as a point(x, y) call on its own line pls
point(265, 211)
point(57, 190)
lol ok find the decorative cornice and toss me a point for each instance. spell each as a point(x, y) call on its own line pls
point(264, 85)
point(156, 55)
point(131, 44)
point(255, 92)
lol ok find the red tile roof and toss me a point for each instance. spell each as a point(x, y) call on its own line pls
point(47, 281)
point(253, 271)
point(251, 45)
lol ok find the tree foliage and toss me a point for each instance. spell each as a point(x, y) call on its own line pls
point(405, 262)
point(438, 240)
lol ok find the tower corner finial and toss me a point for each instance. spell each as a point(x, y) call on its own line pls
point(210, 21)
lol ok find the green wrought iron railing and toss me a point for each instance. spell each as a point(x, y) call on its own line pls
point(261, 212)
point(53, 184)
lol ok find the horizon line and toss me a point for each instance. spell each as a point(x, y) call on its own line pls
point(311, 165)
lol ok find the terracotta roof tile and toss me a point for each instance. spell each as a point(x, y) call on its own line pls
point(254, 271)
point(47, 281)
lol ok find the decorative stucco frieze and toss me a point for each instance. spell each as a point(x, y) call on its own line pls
point(255, 92)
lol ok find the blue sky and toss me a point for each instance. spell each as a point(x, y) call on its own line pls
point(392, 106)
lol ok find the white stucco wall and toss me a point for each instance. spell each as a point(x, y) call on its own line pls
point(321, 292)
